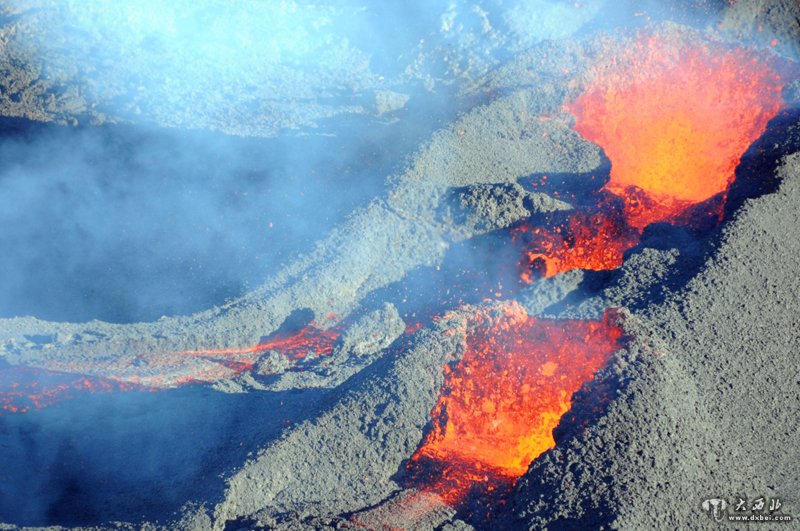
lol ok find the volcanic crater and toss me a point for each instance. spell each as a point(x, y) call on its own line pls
point(573, 305)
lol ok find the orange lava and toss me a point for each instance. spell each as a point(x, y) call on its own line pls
point(294, 346)
point(210, 365)
point(596, 242)
point(675, 119)
point(26, 388)
point(23, 389)
point(500, 403)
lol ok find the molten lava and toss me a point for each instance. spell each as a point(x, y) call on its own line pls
point(674, 120)
point(586, 241)
point(500, 403)
point(23, 389)
point(294, 346)
point(210, 365)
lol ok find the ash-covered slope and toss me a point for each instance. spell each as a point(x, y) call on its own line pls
point(412, 227)
point(210, 65)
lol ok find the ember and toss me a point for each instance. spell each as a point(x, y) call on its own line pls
point(501, 402)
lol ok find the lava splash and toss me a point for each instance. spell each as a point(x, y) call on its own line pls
point(500, 403)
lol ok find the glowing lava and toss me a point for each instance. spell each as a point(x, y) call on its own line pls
point(585, 241)
point(674, 120)
point(210, 365)
point(294, 346)
point(23, 389)
point(500, 403)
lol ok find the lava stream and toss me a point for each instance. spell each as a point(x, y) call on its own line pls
point(209, 365)
point(23, 389)
point(28, 388)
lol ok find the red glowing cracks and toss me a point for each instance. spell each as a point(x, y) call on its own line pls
point(675, 119)
point(500, 403)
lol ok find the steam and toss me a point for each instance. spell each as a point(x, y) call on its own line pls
point(132, 456)
point(128, 224)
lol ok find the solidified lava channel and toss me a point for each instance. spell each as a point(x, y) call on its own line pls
point(500, 403)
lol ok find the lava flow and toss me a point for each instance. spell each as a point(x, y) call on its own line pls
point(595, 241)
point(23, 389)
point(27, 388)
point(674, 120)
point(210, 365)
point(294, 346)
point(500, 403)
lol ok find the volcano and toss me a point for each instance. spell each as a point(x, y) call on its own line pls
point(510, 266)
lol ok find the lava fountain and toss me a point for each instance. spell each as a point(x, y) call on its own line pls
point(674, 119)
